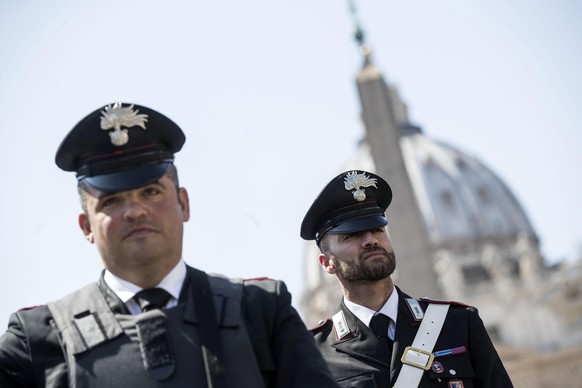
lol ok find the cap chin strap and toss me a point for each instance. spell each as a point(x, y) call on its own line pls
point(418, 357)
point(123, 162)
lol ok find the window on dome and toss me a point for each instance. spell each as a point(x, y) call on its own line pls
point(484, 196)
point(461, 164)
point(447, 200)
point(475, 273)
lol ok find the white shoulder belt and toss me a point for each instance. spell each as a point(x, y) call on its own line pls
point(418, 357)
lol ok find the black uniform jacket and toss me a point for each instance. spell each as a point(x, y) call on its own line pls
point(280, 348)
point(354, 362)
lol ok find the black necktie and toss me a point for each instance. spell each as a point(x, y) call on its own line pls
point(152, 298)
point(379, 325)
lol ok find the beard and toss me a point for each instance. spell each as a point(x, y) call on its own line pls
point(362, 270)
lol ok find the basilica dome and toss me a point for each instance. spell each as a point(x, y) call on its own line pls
point(461, 199)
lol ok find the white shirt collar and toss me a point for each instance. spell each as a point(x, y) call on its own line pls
point(172, 283)
point(389, 309)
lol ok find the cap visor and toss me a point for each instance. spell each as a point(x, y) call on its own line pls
point(129, 179)
point(360, 224)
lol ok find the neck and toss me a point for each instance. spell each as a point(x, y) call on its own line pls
point(370, 294)
point(146, 276)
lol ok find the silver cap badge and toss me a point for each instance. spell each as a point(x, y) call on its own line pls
point(115, 116)
point(356, 181)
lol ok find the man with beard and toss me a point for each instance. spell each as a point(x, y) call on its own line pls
point(380, 336)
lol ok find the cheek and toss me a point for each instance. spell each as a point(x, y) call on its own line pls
point(102, 226)
point(172, 213)
point(387, 244)
point(345, 252)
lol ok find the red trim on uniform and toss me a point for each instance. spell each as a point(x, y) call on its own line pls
point(259, 278)
point(320, 324)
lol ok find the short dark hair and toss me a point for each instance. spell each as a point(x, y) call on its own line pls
point(83, 188)
point(324, 245)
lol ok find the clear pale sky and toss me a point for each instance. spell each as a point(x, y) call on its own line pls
point(265, 92)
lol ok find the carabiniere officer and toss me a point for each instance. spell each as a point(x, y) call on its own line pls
point(380, 336)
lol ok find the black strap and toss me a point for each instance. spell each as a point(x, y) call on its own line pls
point(208, 330)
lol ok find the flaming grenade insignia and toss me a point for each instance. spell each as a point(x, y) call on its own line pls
point(115, 116)
point(356, 181)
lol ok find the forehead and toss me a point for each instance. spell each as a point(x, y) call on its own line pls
point(331, 237)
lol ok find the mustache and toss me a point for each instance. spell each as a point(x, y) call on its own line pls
point(366, 251)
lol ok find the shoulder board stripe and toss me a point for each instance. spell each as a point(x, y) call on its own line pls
point(255, 279)
point(452, 303)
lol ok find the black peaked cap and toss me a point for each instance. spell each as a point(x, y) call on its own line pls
point(351, 202)
point(120, 146)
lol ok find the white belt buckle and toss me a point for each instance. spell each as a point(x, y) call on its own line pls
point(417, 358)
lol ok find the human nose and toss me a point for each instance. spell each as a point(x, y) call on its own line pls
point(134, 209)
point(370, 239)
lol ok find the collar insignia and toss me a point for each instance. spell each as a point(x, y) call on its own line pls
point(340, 324)
point(356, 181)
point(115, 116)
point(415, 309)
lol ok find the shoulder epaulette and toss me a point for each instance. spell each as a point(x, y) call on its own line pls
point(452, 303)
point(320, 324)
point(30, 307)
point(257, 279)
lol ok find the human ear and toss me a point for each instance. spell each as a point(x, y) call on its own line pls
point(184, 203)
point(327, 264)
point(85, 226)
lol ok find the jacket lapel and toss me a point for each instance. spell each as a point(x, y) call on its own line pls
point(226, 295)
point(361, 343)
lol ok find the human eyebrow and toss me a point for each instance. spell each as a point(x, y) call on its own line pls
point(159, 184)
point(100, 195)
point(105, 199)
point(346, 236)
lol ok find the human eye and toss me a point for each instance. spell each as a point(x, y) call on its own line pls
point(108, 202)
point(151, 191)
point(348, 236)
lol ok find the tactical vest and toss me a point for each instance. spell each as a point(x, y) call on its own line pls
point(160, 348)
